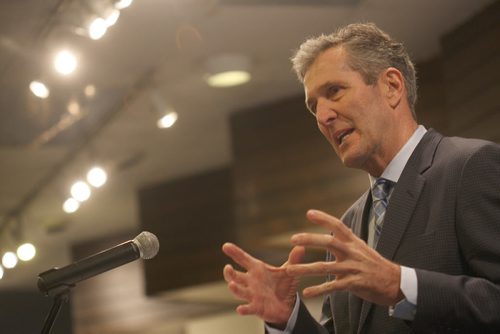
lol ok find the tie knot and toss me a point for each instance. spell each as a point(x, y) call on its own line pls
point(381, 189)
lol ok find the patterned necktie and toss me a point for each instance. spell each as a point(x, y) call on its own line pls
point(380, 196)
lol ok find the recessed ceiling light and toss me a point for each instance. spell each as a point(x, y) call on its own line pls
point(228, 70)
point(228, 79)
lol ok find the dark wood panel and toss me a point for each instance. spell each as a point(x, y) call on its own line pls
point(473, 81)
point(431, 105)
point(473, 42)
point(192, 217)
point(472, 75)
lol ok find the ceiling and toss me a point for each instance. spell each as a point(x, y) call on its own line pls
point(157, 48)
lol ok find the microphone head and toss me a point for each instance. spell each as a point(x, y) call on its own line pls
point(148, 245)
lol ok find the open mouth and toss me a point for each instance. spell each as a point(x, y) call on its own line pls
point(342, 135)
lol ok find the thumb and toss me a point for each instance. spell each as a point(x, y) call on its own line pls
point(296, 255)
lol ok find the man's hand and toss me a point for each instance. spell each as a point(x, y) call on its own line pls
point(270, 292)
point(357, 267)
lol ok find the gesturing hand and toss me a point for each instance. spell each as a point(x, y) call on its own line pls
point(269, 291)
point(357, 267)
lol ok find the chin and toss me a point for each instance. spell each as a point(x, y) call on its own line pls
point(351, 161)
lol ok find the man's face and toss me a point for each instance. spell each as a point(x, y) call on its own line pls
point(353, 116)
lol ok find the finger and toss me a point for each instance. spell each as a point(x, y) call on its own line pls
point(327, 287)
point(238, 255)
point(296, 256)
point(239, 291)
point(246, 309)
point(331, 223)
point(324, 241)
point(318, 290)
point(228, 273)
point(233, 275)
point(318, 269)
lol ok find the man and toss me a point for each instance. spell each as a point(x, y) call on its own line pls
point(418, 252)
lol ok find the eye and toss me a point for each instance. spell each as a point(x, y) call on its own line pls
point(332, 91)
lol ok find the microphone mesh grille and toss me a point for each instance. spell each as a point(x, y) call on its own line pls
point(148, 245)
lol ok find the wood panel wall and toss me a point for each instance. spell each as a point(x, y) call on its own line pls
point(471, 69)
point(192, 217)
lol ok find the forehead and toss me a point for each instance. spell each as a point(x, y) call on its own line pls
point(331, 64)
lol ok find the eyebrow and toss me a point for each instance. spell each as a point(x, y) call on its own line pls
point(321, 89)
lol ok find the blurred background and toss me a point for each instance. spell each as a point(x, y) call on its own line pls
point(184, 118)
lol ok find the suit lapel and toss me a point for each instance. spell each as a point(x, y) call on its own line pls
point(406, 194)
point(403, 202)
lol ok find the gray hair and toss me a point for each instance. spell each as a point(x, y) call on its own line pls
point(369, 52)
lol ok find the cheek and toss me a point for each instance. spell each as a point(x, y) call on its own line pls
point(324, 131)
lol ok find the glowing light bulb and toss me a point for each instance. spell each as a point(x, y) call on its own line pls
point(97, 177)
point(39, 89)
point(80, 191)
point(26, 252)
point(97, 28)
point(9, 260)
point(168, 120)
point(71, 205)
point(65, 62)
point(122, 4)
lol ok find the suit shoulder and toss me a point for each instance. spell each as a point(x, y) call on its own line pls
point(463, 148)
point(467, 146)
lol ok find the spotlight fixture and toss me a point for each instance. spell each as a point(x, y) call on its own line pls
point(167, 120)
point(26, 252)
point(9, 260)
point(112, 17)
point(97, 177)
point(80, 191)
point(71, 205)
point(169, 116)
point(97, 28)
point(39, 89)
point(65, 62)
point(122, 4)
point(90, 91)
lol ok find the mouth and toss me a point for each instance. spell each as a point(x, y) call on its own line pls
point(341, 136)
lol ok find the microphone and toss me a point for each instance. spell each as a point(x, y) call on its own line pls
point(57, 280)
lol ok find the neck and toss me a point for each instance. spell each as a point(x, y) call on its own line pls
point(389, 148)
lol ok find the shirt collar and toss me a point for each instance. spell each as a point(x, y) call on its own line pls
point(393, 171)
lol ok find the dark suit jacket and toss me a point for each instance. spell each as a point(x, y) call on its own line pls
point(443, 219)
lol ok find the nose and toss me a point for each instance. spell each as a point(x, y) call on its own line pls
point(325, 114)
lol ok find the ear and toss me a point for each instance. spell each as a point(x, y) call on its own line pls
point(393, 86)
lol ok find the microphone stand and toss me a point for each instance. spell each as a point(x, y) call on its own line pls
point(60, 296)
